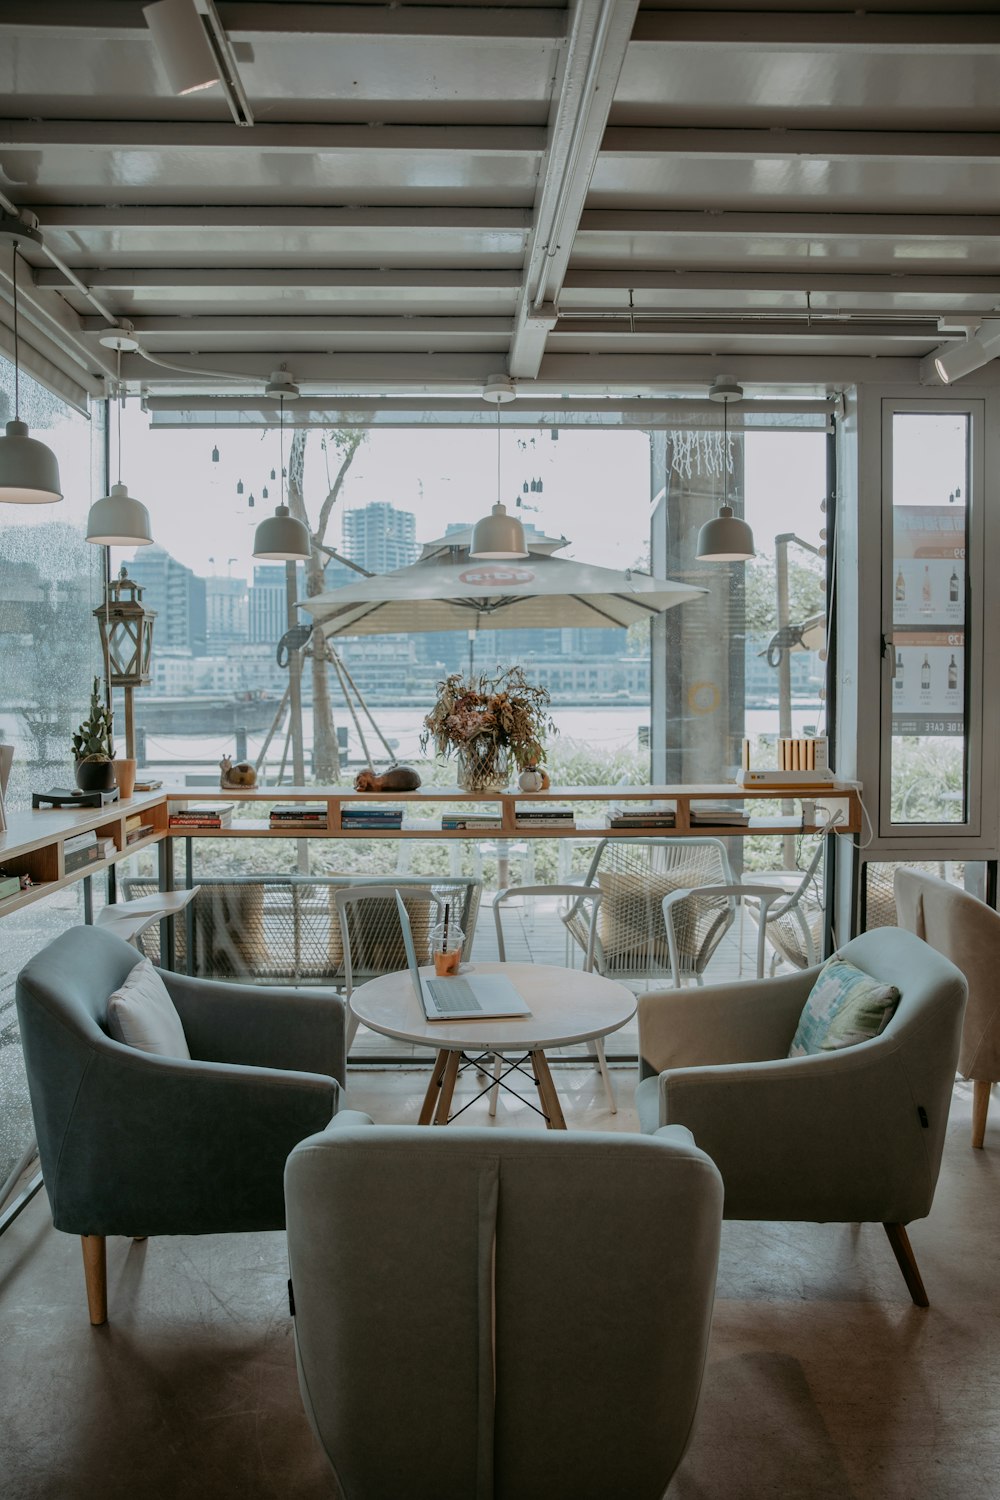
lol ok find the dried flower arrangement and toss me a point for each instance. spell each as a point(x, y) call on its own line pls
point(488, 722)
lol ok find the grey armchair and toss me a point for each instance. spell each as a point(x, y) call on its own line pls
point(967, 931)
point(496, 1313)
point(137, 1144)
point(848, 1136)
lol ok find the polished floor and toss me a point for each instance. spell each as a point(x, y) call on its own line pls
point(823, 1380)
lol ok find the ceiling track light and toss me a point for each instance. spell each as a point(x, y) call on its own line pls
point(29, 472)
point(196, 52)
point(953, 361)
point(498, 537)
point(726, 538)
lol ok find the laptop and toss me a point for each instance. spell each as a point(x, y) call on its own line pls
point(476, 997)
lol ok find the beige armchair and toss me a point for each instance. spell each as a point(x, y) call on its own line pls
point(501, 1313)
point(851, 1136)
point(967, 931)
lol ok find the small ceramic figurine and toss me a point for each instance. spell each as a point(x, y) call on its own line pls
point(534, 779)
point(242, 774)
point(394, 778)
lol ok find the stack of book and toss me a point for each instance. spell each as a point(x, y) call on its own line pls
point(82, 849)
point(202, 817)
point(544, 817)
point(367, 815)
point(482, 821)
point(136, 829)
point(310, 818)
point(718, 815)
point(635, 815)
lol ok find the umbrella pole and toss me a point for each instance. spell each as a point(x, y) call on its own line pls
point(348, 687)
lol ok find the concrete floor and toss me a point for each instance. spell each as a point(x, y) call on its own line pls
point(823, 1380)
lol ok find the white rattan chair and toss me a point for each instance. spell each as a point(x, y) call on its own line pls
point(634, 876)
point(792, 921)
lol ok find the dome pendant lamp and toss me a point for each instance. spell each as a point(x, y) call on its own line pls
point(726, 538)
point(29, 473)
point(117, 519)
point(498, 537)
point(282, 537)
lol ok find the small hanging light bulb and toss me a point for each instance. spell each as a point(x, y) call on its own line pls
point(264, 493)
point(215, 455)
point(273, 474)
point(251, 502)
point(239, 486)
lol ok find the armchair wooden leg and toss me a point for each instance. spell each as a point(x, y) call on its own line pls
point(980, 1104)
point(907, 1262)
point(95, 1269)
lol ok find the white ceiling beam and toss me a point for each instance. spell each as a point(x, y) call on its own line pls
point(731, 327)
point(784, 145)
point(290, 217)
point(820, 32)
point(799, 225)
point(820, 279)
point(120, 20)
point(202, 135)
point(596, 47)
point(190, 329)
point(291, 279)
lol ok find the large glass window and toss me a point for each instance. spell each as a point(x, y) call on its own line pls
point(930, 713)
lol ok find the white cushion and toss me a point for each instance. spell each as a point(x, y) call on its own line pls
point(142, 1014)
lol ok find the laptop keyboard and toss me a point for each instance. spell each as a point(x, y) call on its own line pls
point(453, 994)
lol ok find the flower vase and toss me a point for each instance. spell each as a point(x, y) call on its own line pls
point(483, 766)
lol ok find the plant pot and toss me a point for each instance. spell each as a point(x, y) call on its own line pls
point(483, 766)
point(95, 775)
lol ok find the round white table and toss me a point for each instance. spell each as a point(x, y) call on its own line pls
point(566, 1005)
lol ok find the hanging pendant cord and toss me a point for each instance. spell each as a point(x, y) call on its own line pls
point(121, 406)
point(498, 454)
point(281, 442)
point(17, 361)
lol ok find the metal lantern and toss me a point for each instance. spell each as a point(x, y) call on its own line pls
point(126, 642)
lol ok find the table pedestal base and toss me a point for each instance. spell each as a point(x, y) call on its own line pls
point(436, 1108)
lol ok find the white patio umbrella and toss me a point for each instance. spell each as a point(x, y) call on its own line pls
point(447, 590)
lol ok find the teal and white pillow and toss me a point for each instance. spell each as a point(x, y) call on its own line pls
point(844, 1006)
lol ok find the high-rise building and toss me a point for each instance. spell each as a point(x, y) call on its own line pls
point(268, 604)
point(227, 613)
point(178, 596)
point(380, 537)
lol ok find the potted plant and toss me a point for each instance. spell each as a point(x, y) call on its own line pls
point(93, 747)
point(489, 723)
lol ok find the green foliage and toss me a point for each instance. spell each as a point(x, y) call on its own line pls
point(93, 741)
point(805, 596)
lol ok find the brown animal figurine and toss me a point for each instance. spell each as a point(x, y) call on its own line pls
point(242, 774)
point(394, 778)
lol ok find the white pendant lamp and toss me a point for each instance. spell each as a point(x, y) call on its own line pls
point(282, 537)
point(726, 538)
point(499, 536)
point(118, 519)
point(29, 473)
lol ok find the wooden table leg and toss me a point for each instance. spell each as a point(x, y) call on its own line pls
point(431, 1096)
point(552, 1109)
point(447, 1088)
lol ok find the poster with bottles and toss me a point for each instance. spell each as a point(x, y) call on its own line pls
point(928, 612)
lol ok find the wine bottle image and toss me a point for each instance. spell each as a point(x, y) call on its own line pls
point(952, 674)
point(897, 681)
point(900, 587)
point(952, 588)
point(925, 675)
point(925, 591)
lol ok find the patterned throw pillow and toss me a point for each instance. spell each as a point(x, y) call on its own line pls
point(844, 1006)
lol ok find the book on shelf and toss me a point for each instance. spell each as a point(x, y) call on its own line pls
point(134, 820)
point(471, 820)
point(308, 825)
point(10, 885)
point(657, 820)
point(550, 823)
point(80, 840)
point(377, 824)
point(380, 814)
point(295, 814)
point(141, 831)
point(718, 815)
point(201, 817)
point(77, 859)
point(147, 785)
point(544, 813)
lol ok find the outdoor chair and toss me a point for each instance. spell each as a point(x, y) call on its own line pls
point(793, 921)
point(137, 1143)
point(284, 929)
point(370, 936)
point(501, 1313)
point(593, 898)
point(967, 931)
point(847, 1136)
point(634, 876)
